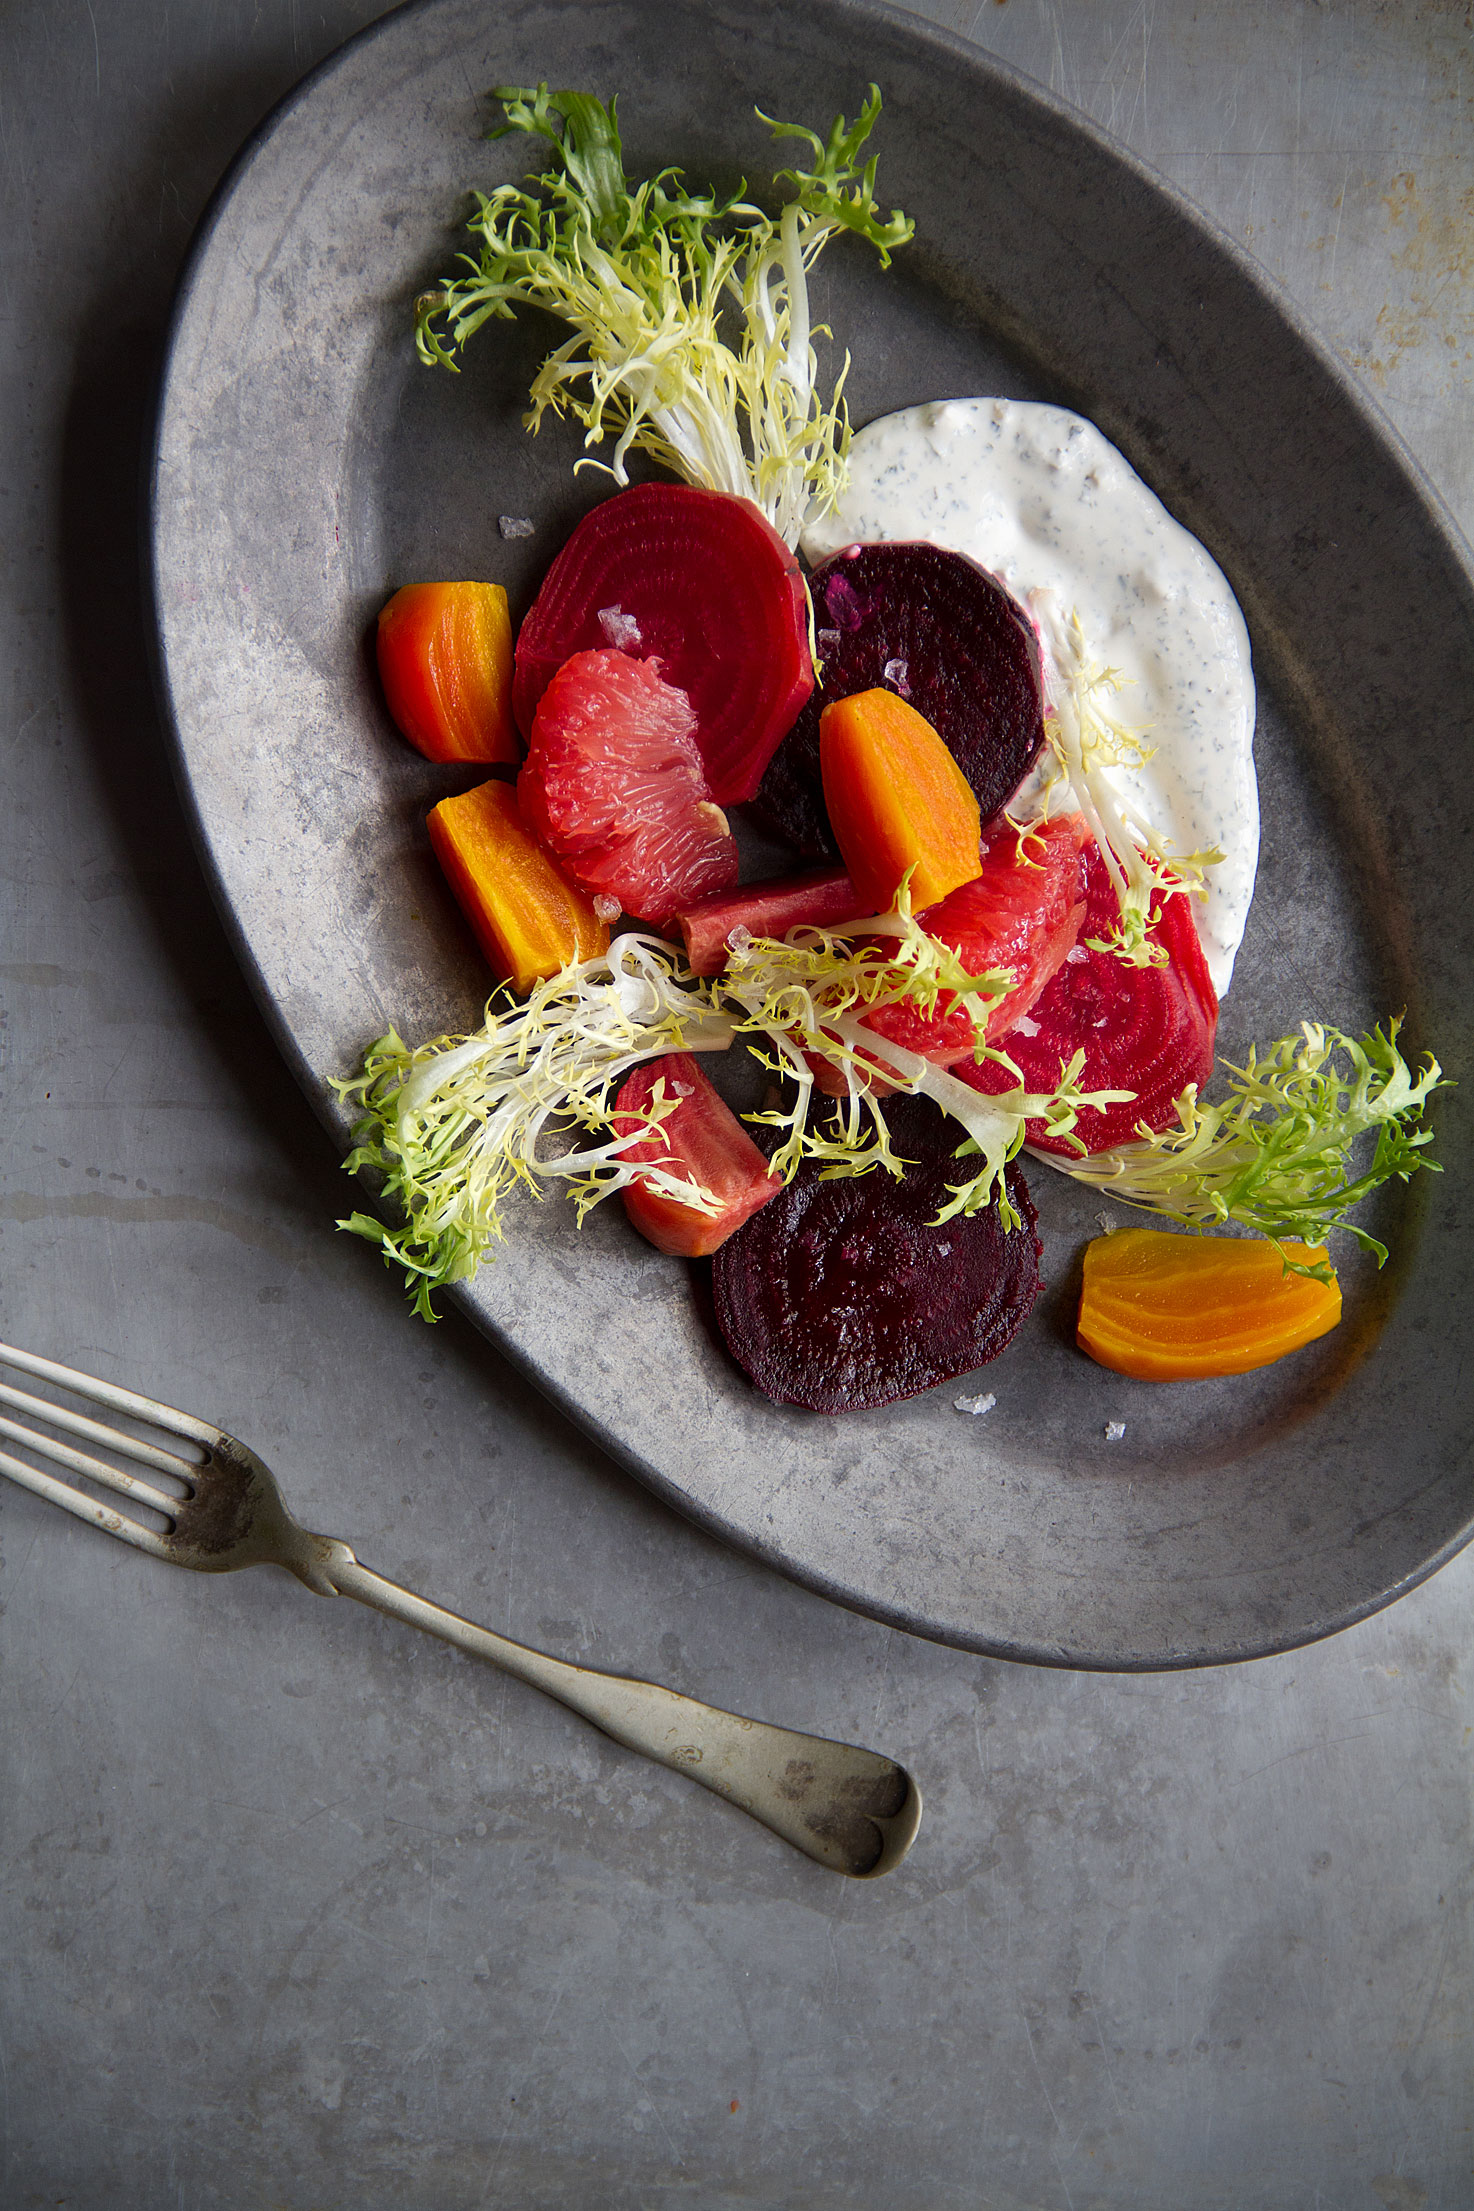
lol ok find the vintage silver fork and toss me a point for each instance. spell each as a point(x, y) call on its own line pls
point(850, 1809)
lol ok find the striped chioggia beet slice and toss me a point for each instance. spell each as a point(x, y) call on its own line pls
point(1147, 1029)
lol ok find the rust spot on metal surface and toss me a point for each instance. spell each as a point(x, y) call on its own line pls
point(881, 1795)
point(798, 1779)
point(225, 1511)
point(849, 1821)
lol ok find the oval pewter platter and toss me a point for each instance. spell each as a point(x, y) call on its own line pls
point(306, 465)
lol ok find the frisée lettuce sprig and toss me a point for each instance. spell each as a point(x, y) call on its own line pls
point(692, 337)
point(1276, 1155)
point(808, 997)
point(454, 1126)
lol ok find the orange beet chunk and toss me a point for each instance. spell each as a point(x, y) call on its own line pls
point(1176, 1308)
point(700, 1142)
point(529, 920)
point(445, 661)
point(896, 800)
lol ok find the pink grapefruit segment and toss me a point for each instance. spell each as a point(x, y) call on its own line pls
point(1023, 912)
point(613, 783)
point(701, 586)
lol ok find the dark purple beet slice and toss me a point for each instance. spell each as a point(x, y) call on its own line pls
point(956, 645)
point(841, 1296)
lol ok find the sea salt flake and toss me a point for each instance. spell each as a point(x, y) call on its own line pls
point(607, 908)
point(515, 525)
point(983, 1404)
point(621, 630)
point(1114, 1430)
point(897, 675)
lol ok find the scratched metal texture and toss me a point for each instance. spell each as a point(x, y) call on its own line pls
point(299, 1911)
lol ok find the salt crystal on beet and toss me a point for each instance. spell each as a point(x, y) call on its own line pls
point(621, 630)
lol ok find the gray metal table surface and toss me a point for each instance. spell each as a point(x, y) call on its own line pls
point(301, 1910)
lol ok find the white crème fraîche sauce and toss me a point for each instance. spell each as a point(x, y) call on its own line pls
point(1040, 498)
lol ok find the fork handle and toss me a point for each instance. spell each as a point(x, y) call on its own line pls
point(851, 1809)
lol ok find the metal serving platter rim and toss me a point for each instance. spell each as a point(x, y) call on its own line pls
point(902, 1578)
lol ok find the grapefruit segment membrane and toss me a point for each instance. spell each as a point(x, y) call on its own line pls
point(613, 783)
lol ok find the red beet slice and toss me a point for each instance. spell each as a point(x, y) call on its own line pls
point(613, 783)
point(841, 1296)
point(817, 900)
point(701, 1141)
point(1148, 1029)
point(700, 584)
point(945, 635)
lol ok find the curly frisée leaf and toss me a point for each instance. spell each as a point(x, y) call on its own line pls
point(1276, 1156)
point(649, 276)
point(454, 1126)
point(809, 995)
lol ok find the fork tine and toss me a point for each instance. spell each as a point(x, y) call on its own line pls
point(92, 1431)
point(96, 1470)
point(85, 1508)
point(108, 1393)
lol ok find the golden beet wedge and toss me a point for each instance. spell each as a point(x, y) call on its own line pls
point(1176, 1308)
point(897, 800)
point(529, 920)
